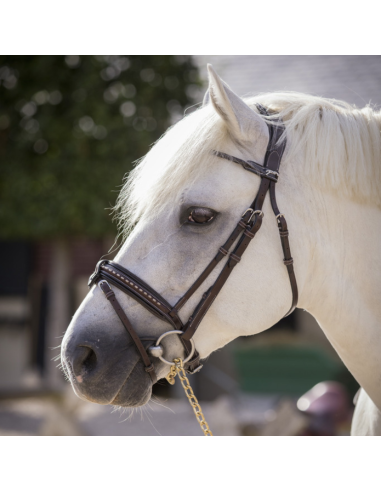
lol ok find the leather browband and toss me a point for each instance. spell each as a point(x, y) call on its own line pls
point(251, 166)
point(108, 272)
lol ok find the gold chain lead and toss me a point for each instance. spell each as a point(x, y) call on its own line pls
point(178, 368)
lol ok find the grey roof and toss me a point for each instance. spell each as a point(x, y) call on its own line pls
point(355, 79)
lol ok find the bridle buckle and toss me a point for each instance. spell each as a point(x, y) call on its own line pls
point(256, 212)
point(269, 171)
point(253, 213)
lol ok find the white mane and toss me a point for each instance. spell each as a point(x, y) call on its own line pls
point(340, 147)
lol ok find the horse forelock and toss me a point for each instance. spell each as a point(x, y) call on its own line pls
point(172, 164)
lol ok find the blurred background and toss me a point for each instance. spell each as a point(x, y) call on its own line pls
point(71, 127)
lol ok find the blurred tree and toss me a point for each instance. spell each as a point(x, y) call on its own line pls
point(70, 128)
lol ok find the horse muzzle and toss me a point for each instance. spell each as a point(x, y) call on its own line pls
point(105, 368)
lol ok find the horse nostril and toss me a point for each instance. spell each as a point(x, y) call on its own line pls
point(84, 361)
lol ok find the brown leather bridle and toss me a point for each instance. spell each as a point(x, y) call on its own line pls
point(108, 272)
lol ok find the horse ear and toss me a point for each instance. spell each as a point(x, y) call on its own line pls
point(206, 99)
point(244, 124)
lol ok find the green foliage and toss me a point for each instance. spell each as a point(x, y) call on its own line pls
point(71, 127)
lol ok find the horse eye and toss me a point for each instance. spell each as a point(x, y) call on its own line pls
point(201, 215)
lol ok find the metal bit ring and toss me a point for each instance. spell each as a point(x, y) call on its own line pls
point(174, 332)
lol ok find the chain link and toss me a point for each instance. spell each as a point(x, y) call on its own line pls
point(178, 368)
point(170, 377)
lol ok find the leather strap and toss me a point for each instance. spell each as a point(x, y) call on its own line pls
point(209, 296)
point(273, 157)
point(251, 166)
point(287, 260)
point(222, 252)
point(110, 296)
point(137, 289)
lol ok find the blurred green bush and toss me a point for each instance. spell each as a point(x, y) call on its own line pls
point(71, 127)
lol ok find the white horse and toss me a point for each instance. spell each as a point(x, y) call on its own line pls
point(330, 192)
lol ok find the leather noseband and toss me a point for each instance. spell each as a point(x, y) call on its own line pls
point(108, 272)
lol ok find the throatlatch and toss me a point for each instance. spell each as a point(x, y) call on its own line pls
point(108, 272)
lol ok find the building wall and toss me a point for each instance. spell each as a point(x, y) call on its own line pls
point(27, 334)
point(354, 79)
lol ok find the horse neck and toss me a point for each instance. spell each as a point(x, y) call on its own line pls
point(337, 242)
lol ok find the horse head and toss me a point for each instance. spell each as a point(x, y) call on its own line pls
point(178, 207)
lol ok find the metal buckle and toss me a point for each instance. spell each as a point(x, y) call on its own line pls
point(276, 174)
point(190, 371)
point(255, 212)
point(245, 212)
point(157, 352)
point(277, 217)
